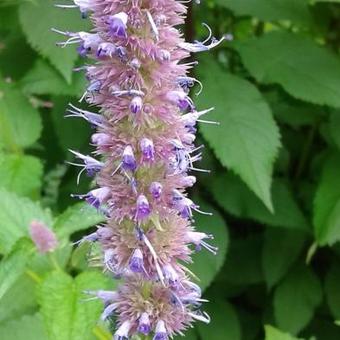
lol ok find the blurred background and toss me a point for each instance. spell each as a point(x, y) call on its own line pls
point(274, 187)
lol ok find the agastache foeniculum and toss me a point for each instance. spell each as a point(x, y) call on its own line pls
point(145, 133)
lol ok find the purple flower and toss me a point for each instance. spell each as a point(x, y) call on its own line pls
point(145, 134)
point(117, 24)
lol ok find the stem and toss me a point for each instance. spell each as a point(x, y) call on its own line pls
point(54, 262)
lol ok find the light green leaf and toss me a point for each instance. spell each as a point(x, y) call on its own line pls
point(28, 327)
point(232, 195)
point(273, 10)
point(43, 79)
point(332, 290)
point(296, 298)
point(18, 300)
point(77, 217)
point(280, 250)
point(206, 265)
point(37, 18)
point(224, 322)
point(13, 265)
point(275, 334)
point(20, 123)
point(280, 58)
point(21, 174)
point(326, 217)
point(66, 315)
point(16, 214)
point(248, 140)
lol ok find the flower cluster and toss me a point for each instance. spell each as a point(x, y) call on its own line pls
point(144, 138)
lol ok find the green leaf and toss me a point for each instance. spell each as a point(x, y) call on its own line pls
point(77, 217)
point(224, 322)
point(326, 217)
point(334, 127)
point(207, 265)
point(65, 127)
point(280, 250)
point(275, 334)
point(16, 214)
point(280, 58)
point(37, 18)
point(28, 327)
point(21, 174)
point(233, 196)
point(13, 265)
point(66, 315)
point(18, 300)
point(332, 290)
point(43, 79)
point(273, 10)
point(20, 123)
point(296, 298)
point(243, 263)
point(248, 140)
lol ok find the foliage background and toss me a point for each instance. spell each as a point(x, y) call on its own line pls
point(274, 187)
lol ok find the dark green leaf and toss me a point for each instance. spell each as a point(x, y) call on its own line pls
point(292, 10)
point(37, 18)
point(280, 250)
point(326, 217)
point(43, 79)
point(280, 57)
point(232, 195)
point(248, 140)
point(207, 265)
point(296, 298)
point(332, 290)
point(224, 322)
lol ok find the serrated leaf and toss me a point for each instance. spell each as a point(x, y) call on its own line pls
point(21, 174)
point(248, 140)
point(14, 264)
point(18, 300)
point(28, 327)
point(296, 298)
point(16, 214)
point(77, 217)
point(20, 123)
point(37, 18)
point(275, 334)
point(280, 250)
point(326, 216)
point(233, 196)
point(224, 322)
point(66, 315)
point(206, 265)
point(280, 58)
point(332, 290)
point(43, 79)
